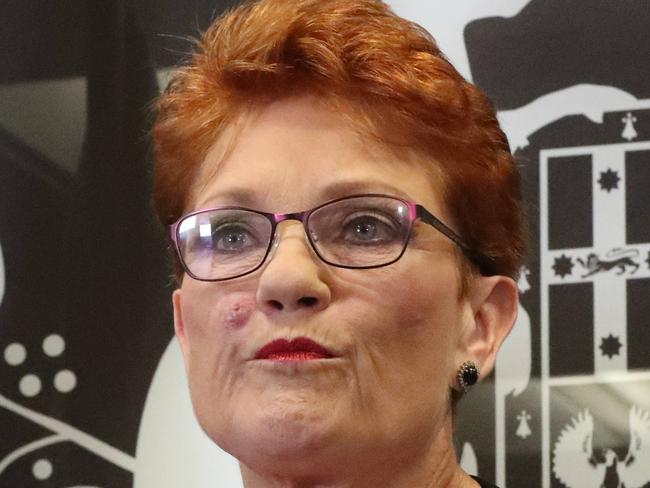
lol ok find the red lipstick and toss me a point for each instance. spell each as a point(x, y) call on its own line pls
point(298, 349)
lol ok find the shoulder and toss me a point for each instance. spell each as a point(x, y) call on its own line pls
point(482, 483)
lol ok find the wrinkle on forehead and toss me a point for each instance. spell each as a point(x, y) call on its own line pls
point(293, 111)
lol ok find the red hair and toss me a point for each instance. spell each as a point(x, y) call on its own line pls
point(354, 53)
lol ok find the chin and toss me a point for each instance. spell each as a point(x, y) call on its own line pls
point(285, 436)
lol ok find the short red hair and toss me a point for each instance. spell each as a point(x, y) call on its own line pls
point(356, 53)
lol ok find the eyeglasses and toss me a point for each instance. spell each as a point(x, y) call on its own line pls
point(360, 232)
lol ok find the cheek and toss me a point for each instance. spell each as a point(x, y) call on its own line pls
point(217, 323)
point(237, 311)
point(209, 314)
point(403, 335)
point(425, 303)
point(413, 331)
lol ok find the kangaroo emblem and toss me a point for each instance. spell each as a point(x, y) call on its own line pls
point(619, 259)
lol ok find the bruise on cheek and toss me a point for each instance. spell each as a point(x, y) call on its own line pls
point(238, 313)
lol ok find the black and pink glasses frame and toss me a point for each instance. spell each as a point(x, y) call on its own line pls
point(416, 211)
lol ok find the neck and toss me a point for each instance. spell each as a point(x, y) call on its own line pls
point(433, 467)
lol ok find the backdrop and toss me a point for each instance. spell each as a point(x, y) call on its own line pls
point(92, 391)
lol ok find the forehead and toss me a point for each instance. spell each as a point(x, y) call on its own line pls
point(297, 153)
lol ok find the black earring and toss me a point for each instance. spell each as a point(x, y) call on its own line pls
point(467, 375)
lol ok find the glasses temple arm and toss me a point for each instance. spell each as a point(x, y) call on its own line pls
point(484, 263)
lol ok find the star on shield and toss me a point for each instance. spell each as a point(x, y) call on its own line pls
point(609, 180)
point(563, 266)
point(610, 346)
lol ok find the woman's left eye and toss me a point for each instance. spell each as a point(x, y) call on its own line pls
point(369, 230)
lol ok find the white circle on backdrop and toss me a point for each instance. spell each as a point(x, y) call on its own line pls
point(30, 385)
point(172, 449)
point(15, 354)
point(53, 345)
point(42, 469)
point(65, 381)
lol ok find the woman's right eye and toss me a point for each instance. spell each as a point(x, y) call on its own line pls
point(231, 238)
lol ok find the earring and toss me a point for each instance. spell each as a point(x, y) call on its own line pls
point(467, 375)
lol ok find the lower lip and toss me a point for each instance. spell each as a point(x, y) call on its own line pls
point(294, 356)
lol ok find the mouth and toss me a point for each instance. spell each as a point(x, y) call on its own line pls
point(298, 349)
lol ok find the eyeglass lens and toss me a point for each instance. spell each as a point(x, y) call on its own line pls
point(219, 244)
point(356, 232)
point(360, 232)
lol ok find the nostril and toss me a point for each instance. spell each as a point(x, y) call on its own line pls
point(308, 301)
point(276, 305)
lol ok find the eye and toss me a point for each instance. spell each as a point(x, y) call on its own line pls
point(232, 238)
point(365, 229)
point(370, 228)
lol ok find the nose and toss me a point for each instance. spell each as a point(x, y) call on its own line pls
point(292, 278)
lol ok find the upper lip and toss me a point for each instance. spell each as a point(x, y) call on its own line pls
point(299, 344)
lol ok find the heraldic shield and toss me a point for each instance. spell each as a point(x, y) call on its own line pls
point(594, 271)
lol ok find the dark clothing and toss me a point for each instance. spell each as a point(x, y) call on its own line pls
point(483, 483)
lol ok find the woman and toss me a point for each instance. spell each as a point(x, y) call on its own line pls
point(346, 216)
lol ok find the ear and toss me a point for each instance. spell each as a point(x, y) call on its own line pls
point(179, 325)
point(493, 301)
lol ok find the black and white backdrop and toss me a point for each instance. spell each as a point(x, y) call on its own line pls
point(92, 391)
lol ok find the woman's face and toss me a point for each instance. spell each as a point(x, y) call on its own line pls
point(394, 331)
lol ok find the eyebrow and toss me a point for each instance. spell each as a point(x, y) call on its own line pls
point(232, 196)
point(344, 188)
point(243, 196)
